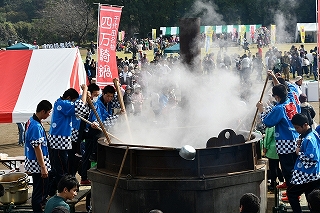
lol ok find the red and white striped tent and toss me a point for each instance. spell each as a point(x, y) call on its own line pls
point(29, 76)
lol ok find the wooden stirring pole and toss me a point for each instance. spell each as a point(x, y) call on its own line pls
point(253, 123)
point(99, 120)
point(255, 115)
point(123, 108)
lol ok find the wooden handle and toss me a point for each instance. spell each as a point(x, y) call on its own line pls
point(117, 86)
point(143, 146)
point(256, 113)
point(123, 108)
point(99, 120)
point(117, 180)
point(85, 120)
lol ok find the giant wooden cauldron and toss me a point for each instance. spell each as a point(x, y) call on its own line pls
point(161, 179)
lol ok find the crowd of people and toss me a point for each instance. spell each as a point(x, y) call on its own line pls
point(291, 63)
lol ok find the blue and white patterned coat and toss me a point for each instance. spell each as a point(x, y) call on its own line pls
point(307, 165)
point(285, 134)
point(105, 112)
point(35, 135)
point(61, 122)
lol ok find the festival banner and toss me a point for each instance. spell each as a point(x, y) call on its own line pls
point(302, 34)
point(208, 43)
point(273, 34)
point(154, 34)
point(318, 24)
point(119, 36)
point(252, 31)
point(123, 34)
point(109, 19)
point(242, 33)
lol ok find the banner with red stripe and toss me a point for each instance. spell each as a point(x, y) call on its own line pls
point(109, 19)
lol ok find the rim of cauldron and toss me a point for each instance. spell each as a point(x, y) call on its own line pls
point(257, 137)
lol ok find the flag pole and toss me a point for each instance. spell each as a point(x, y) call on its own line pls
point(318, 45)
point(97, 59)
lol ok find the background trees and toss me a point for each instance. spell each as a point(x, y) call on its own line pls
point(65, 20)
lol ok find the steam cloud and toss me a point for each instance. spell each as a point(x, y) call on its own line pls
point(209, 104)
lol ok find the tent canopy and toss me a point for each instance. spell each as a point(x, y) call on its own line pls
point(309, 28)
point(31, 76)
point(21, 46)
point(173, 49)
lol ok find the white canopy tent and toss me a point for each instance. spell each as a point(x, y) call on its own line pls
point(29, 76)
point(309, 28)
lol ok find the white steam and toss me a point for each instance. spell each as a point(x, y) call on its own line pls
point(208, 104)
point(285, 21)
point(207, 11)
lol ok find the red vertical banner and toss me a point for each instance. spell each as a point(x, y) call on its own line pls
point(318, 25)
point(109, 19)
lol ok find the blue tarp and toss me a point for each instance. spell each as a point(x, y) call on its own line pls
point(173, 49)
point(21, 46)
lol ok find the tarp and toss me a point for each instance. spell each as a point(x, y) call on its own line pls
point(173, 49)
point(309, 28)
point(21, 46)
point(29, 76)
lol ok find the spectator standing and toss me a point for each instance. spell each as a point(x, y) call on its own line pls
point(245, 68)
point(296, 65)
point(127, 99)
point(315, 66)
point(21, 131)
point(137, 100)
point(125, 76)
point(298, 83)
point(89, 55)
point(309, 56)
point(93, 68)
point(92, 48)
point(305, 65)
point(286, 66)
point(307, 110)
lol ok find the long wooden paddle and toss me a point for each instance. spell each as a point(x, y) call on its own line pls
point(254, 121)
point(99, 120)
point(256, 113)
